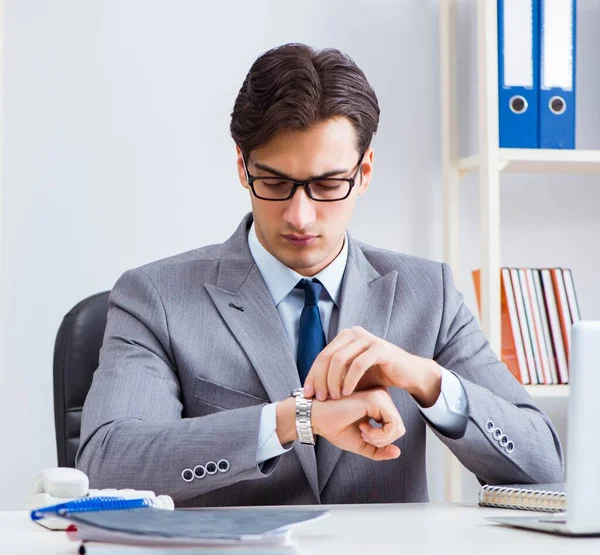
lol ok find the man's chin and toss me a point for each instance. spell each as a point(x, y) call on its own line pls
point(297, 261)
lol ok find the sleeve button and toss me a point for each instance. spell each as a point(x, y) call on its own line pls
point(211, 467)
point(199, 471)
point(223, 465)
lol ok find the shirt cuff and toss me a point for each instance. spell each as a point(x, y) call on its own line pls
point(449, 413)
point(268, 441)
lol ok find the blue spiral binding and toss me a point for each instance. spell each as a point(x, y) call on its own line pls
point(91, 504)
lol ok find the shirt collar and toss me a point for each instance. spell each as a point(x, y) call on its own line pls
point(281, 280)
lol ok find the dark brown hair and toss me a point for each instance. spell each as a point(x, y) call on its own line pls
point(294, 87)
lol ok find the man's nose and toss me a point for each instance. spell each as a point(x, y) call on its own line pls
point(300, 211)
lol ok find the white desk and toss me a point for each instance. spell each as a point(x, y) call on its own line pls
point(359, 529)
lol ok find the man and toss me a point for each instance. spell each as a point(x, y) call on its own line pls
point(202, 350)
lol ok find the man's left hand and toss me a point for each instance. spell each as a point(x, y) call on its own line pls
point(358, 360)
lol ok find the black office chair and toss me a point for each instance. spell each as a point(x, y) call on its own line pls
point(76, 354)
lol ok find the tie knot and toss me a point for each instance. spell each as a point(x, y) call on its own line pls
point(312, 291)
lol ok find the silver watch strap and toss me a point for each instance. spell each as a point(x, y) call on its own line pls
point(303, 417)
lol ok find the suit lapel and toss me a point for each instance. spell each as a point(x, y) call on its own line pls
point(366, 300)
point(258, 328)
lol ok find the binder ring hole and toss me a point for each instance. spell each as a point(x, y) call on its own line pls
point(518, 104)
point(557, 105)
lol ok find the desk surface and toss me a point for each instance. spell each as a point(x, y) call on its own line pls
point(359, 529)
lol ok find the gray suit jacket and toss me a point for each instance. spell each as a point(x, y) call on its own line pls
point(184, 375)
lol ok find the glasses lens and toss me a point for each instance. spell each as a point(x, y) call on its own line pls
point(329, 189)
point(275, 188)
point(272, 187)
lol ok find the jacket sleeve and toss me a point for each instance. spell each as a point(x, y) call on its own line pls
point(507, 439)
point(133, 434)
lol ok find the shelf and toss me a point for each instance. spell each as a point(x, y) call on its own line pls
point(548, 390)
point(539, 160)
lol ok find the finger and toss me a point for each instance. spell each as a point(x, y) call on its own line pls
point(375, 442)
point(365, 427)
point(393, 426)
point(320, 380)
point(361, 332)
point(358, 367)
point(379, 437)
point(321, 363)
point(382, 409)
point(339, 363)
point(317, 375)
point(385, 453)
point(378, 444)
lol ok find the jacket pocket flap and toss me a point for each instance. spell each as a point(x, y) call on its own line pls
point(224, 397)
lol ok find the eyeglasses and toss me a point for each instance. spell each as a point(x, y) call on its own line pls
point(326, 189)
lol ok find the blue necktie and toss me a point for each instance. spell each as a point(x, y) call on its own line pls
point(311, 338)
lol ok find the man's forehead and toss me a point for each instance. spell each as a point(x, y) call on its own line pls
point(320, 149)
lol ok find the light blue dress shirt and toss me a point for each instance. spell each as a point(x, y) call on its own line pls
point(280, 281)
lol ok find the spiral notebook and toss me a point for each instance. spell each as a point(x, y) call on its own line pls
point(53, 516)
point(550, 498)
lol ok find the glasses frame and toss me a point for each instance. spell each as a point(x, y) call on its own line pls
point(306, 184)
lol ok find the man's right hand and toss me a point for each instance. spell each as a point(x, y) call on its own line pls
point(345, 423)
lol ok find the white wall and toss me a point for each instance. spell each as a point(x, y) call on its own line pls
point(117, 152)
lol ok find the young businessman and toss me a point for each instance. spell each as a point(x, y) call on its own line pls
point(202, 351)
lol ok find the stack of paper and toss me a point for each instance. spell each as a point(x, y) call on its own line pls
point(113, 549)
point(262, 527)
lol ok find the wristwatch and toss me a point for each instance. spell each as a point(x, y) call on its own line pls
point(303, 417)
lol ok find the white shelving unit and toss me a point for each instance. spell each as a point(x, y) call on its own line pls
point(490, 162)
point(524, 160)
point(548, 391)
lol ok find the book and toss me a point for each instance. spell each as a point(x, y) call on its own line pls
point(571, 295)
point(537, 326)
point(228, 527)
point(513, 353)
point(563, 308)
point(530, 497)
point(539, 290)
point(531, 325)
point(555, 325)
point(537, 308)
point(514, 274)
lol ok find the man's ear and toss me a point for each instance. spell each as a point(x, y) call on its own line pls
point(366, 171)
point(240, 168)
